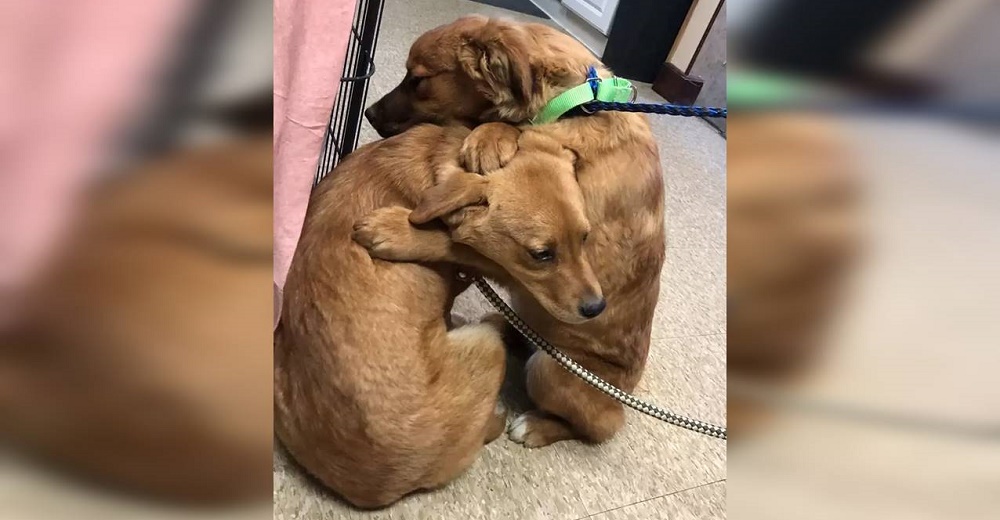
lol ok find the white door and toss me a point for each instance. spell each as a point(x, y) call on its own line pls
point(598, 13)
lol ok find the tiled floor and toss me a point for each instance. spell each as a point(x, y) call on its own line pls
point(650, 470)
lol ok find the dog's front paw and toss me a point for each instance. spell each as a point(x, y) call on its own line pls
point(385, 233)
point(489, 147)
point(534, 429)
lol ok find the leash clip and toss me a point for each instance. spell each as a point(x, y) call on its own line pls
point(595, 85)
point(593, 79)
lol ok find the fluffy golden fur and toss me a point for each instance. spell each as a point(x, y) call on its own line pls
point(374, 395)
point(478, 70)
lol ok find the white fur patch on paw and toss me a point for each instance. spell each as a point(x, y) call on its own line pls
point(519, 428)
point(501, 410)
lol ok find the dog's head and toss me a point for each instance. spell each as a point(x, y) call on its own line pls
point(476, 70)
point(529, 218)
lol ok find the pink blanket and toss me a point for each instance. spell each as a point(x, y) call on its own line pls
point(71, 72)
point(310, 42)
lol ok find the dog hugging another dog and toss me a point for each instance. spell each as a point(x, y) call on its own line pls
point(375, 393)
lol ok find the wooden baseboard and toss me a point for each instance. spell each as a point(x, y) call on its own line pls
point(677, 87)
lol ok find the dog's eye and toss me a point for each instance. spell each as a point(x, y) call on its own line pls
point(585, 237)
point(415, 81)
point(543, 255)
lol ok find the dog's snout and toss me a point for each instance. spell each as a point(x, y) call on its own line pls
point(593, 307)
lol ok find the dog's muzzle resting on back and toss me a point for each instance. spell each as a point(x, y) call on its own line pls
point(374, 117)
point(394, 113)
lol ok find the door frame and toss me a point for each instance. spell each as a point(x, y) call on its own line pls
point(599, 19)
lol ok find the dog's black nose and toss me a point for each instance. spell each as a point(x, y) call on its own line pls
point(592, 308)
point(371, 114)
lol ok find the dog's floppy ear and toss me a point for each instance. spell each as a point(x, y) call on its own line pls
point(459, 191)
point(571, 155)
point(499, 58)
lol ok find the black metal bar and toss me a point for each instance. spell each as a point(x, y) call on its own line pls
point(368, 59)
point(344, 128)
point(356, 106)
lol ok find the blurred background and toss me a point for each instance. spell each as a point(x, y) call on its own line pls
point(135, 259)
point(862, 273)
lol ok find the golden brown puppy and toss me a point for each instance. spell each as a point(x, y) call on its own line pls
point(143, 357)
point(373, 394)
point(477, 70)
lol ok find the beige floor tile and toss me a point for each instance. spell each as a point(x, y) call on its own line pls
point(688, 376)
point(695, 201)
point(693, 160)
point(701, 503)
point(564, 481)
point(647, 459)
point(706, 235)
point(706, 212)
point(692, 294)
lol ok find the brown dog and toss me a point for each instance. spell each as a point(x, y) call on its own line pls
point(142, 359)
point(477, 70)
point(373, 394)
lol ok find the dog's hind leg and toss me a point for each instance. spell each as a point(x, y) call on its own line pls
point(470, 372)
point(567, 407)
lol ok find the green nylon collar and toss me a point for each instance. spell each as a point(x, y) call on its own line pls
point(613, 89)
